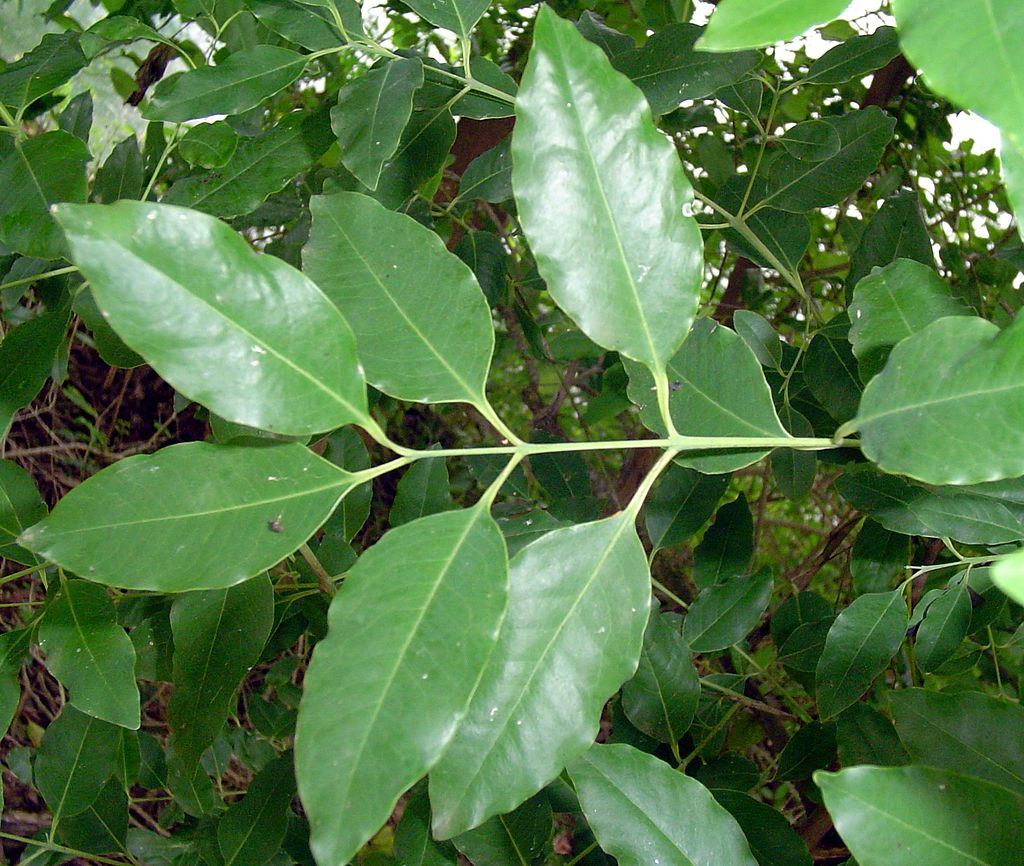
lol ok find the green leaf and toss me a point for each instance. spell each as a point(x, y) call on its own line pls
point(410, 632)
point(209, 145)
point(669, 72)
point(727, 546)
point(725, 613)
point(423, 490)
point(585, 585)
point(990, 513)
point(681, 504)
point(753, 23)
point(860, 644)
point(118, 29)
point(414, 846)
point(236, 509)
point(20, 507)
point(218, 635)
point(311, 28)
point(345, 448)
point(101, 828)
point(966, 732)
point(771, 838)
point(865, 736)
point(812, 747)
point(26, 360)
point(90, 653)
point(46, 67)
point(803, 607)
point(643, 811)
point(611, 41)
point(459, 16)
point(78, 754)
point(283, 355)
point(800, 185)
point(34, 175)
point(897, 231)
point(893, 303)
point(241, 82)
point(251, 832)
point(855, 57)
point(760, 336)
point(489, 176)
point(794, 471)
point(261, 166)
point(802, 649)
point(515, 839)
point(939, 818)
point(371, 112)
point(110, 346)
point(121, 175)
point(830, 370)
point(391, 293)
point(662, 697)
point(943, 628)
point(811, 141)
point(1008, 575)
point(956, 374)
point(611, 244)
point(879, 557)
point(718, 389)
point(76, 118)
point(785, 235)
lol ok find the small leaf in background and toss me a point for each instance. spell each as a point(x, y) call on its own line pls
point(772, 840)
point(725, 613)
point(241, 509)
point(958, 373)
point(811, 141)
point(414, 846)
point(121, 175)
point(798, 609)
point(102, 827)
point(391, 293)
point(218, 637)
point(812, 747)
point(763, 340)
point(616, 222)
point(422, 490)
point(860, 645)
point(944, 627)
point(251, 831)
point(644, 811)
point(54, 61)
point(879, 558)
point(310, 25)
point(662, 697)
point(345, 448)
point(727, 546)
point(410, 632)
point(830, 370)
point(76, 117)
point(110, 346)
point(20, 507)
point(752, 23)
point(241, 82)
point(268, 332)
point(794, 471)
point(897, 231)
point(865, 736)
point(940, 818)
point(583, 586)
point(785, 235)
point(209, 145)
point(681, 504)
point(893, 303)
point(514, 839)
point(855, 57)
point(371, 112)
point(489, 176)
point(90, 653)
point(966, 732)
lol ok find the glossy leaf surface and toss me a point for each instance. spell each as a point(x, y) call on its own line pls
point(266, 348)
point(459, 16)
point(753, 23)
point(410, 633)
point(578, 605)
point(390, 276)
point(241, 510)
point(585, 131)
point(643, 811)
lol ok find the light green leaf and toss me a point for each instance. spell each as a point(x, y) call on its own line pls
point(43, 69)
point(515, 839)
point(604, 220)
point(940, 818)
point(459, 16)
point(717, 389)
point(414, 846)
point(753, 23)
point(423, 490)
point(681, 504)
point(265, 348)
point(312, 28)
point(241, 82)
point(209, 145)
point(855, 57)
point(122, 175)
point(251, 832)
point(860, 644)
point(662, 697)
point(957, 374)
point(90, 653)
point(78, 754)
point(899, 300)
point(410, 632)
point(218, 635)
point(643, 811)
point(371, 112)
point(237, 509)
point(802, 185)
point(727, 546)
point(966, 732)
point(391, 276)
point(943, 628)
point(20, 507)
point(37, 173)
point(583, 586)
point(669, 72)
point(725, 613)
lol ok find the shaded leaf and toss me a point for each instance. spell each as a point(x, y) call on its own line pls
point(459, 16)
point(897, 231)
point(515, 839)
point(422, 490)
point(855, 57)
point(209, 145)
point(943, 628)
point(20, 507)
point(772, 840)
point(879, 557)
point(251, 831)
point(727, 546)
point(681, 504)
point(725, 613)
point(43, 69)
point(830, 370)
point(865, 736)
point(121, 175)
point(414, 846)
point(812, 747)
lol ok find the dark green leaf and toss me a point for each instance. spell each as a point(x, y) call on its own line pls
point(423, 490)
point(110, 346)
point(20, 507)
point(593, 29)
point(753, 23)
point(786, 235)
point(345, 448)
point(459, 16)
point(944, 627)
point(727, 546)
point(772, 840)
point(121, 175)
point(794, 471)
point(812, 747)
point(487, 258)
point(796, 610)
point(414, 846)
point(101, 828)
point(209, 145)
point(865, 736)
point(896, 231)
point(879, 557)
point(489, 176)
point(304, 25)
point(43, 69)
point(830, 370)
point(515, 839)
point(803, 647)
point(812, 141)
point(681, 504)
point(725, 613)
point(251, 832)
point(760, 336)
point(855, 57)
point(76, 117)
